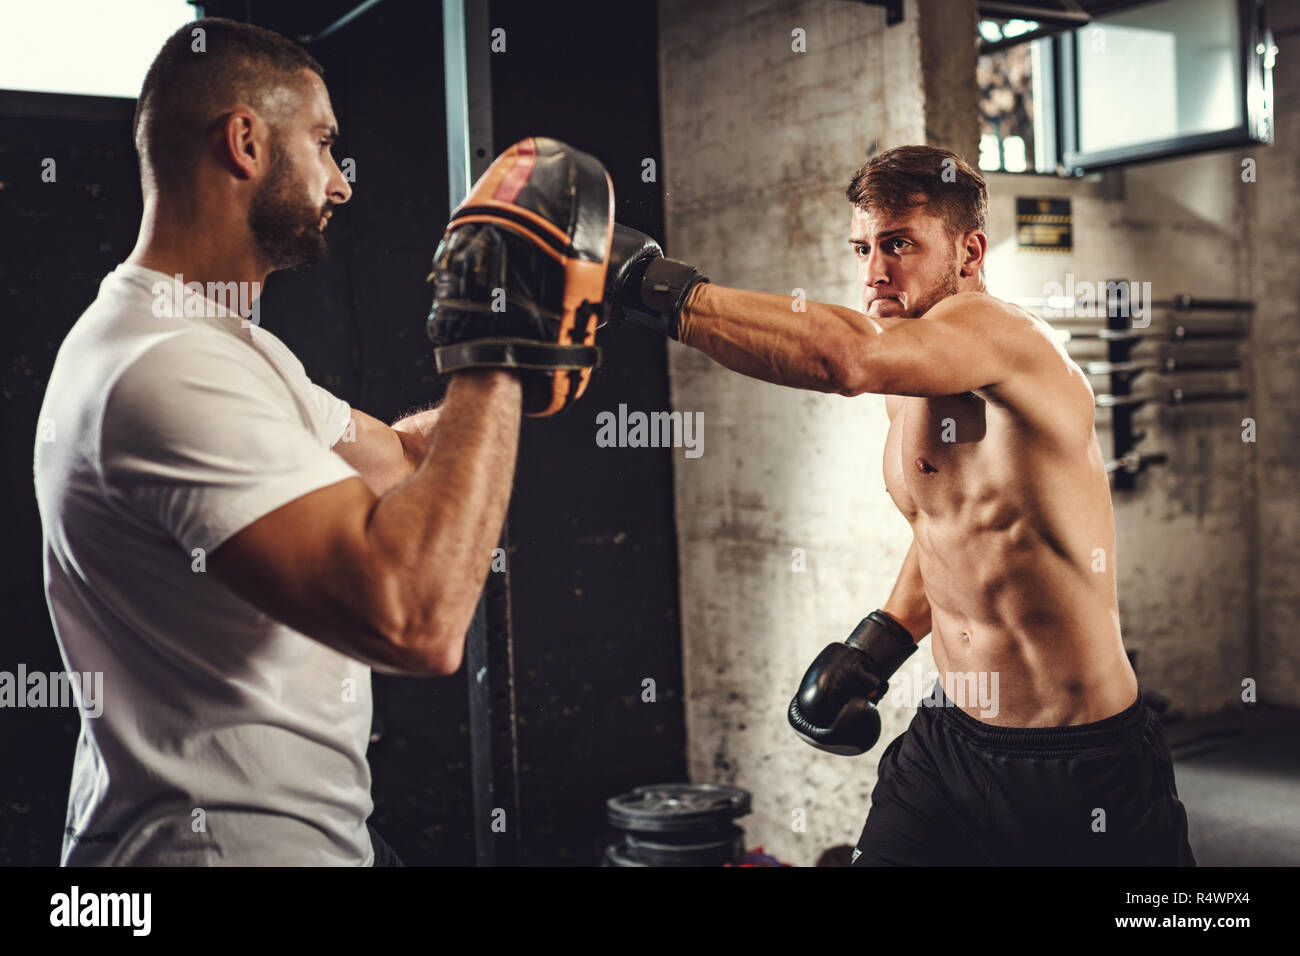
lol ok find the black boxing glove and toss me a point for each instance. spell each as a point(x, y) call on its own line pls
point(643, 287)
point(835, 706)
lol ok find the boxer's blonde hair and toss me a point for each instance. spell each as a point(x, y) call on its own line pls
point(901, 179)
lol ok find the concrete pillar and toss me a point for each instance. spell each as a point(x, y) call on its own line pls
point(1275, 250)
point(786, 535)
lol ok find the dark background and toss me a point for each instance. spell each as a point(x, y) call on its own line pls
point(593, 555)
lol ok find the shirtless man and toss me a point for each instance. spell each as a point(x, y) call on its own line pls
point(992, 457)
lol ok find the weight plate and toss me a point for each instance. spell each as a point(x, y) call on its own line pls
point(677, 807)
point(686, 849)
point(616, 855)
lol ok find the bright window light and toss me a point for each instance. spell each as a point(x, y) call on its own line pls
point(1013, 154)
point(1014, 28)
point(990, 158)
point(85, 46)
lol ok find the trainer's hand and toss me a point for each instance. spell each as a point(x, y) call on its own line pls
point(835, 706)
point(520, 273)
point(642, 286)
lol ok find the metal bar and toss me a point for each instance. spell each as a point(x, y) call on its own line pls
point(478, 90)
point(480, 736)
point(986, 47)
point(341, 22)
point(1180, 303)
point(456, 84)
point(489, 646)
point(1168, 365)
point(1172, 365)
point(1106, 400)
point(994, 9)
point(493, 738)
point(1117, 368)
point(1173, 396)
point(1177, 333)
point(1182, 332)
point(1176, 396)
point(1188, 303)
point(1119, 352)
point(1135, 462)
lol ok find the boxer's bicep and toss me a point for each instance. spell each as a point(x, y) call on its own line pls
point(965, 342)
point(307, 564)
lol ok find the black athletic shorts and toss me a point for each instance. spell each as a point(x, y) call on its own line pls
point(955, 791)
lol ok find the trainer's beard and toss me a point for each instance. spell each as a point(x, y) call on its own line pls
point(285, 227)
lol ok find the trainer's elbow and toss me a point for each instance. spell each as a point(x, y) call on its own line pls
point(418, 637)
point(424, 644)
point(432, 636)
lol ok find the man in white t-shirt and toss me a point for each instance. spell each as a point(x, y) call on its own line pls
point(230, 545)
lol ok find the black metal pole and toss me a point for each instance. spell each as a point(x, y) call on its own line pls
point(489, 650)
point(493, 737)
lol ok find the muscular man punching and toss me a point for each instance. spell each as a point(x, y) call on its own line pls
point(230, 545)
point(992, 457)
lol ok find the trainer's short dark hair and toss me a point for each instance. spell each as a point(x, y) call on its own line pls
point(197, 77)
point(903, 178)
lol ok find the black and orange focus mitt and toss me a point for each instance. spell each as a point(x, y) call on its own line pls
point(519, 276)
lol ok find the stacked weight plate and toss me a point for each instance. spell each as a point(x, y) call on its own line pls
point(677, 824)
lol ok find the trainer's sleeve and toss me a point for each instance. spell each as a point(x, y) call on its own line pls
point(201, 437)
point(333, 412)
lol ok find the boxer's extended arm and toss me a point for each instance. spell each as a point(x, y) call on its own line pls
point(392, 580)
point(907, 603)
point(762, 335)
point(386, 456)
point(967, 341)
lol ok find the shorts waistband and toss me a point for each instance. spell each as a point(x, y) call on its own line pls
point(1110, 731)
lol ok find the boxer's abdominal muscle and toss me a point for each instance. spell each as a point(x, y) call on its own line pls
point(1016, 547)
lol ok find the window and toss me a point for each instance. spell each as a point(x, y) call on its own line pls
point(1017, 102)
point(1151, 80)
point(85, 46)
point(1163, 79)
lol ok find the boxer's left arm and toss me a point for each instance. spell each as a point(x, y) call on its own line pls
point(965, 342)
point(386, 456)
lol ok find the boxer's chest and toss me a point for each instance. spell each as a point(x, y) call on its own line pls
point(932, 453)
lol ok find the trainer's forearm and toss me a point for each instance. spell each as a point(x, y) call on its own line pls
point(435, 533)
point(907, 603)
point(761, 335)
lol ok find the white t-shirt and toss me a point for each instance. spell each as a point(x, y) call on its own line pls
point(225, 737)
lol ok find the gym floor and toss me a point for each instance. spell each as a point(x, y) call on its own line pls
point(1237, 776)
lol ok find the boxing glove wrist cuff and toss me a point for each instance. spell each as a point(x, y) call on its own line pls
point(665, 286)
point(885, 641)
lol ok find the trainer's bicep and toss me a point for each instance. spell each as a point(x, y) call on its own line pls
point(306, 565)
point(376, 451)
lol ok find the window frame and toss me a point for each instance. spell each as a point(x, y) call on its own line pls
point(73, 106)
point(1256, 102)
point(1047, 134)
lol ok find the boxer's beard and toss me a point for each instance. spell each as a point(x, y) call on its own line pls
point(945, 287)
point(285, 226)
